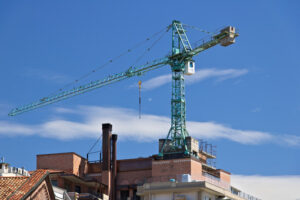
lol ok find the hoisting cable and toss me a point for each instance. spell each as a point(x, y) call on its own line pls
point(140, 100)
point(138, 59)
point(112, 59)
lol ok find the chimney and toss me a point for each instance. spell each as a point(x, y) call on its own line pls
point(114, 167)
point(106, 152)
point(106, 144)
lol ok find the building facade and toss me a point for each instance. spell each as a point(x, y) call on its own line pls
point(175, 176)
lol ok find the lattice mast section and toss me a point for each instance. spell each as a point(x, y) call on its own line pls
point(178, 133)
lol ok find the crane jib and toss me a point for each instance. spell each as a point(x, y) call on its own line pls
point(133, 71)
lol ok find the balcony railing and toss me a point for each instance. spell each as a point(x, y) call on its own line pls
point(216, 181)
point(203, 177)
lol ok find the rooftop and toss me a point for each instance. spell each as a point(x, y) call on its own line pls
point(17, 187)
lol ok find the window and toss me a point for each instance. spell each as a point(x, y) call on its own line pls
point(191, 65)
point(91, 190)
point(67, 186)
point(135, 197)
point(54, 182)
point(77, 189)
point(207, 198)
point(124, 194)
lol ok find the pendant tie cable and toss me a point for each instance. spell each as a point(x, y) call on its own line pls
point(197, 28)
point(166, 29)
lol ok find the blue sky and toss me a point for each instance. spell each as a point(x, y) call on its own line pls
point(244, 98)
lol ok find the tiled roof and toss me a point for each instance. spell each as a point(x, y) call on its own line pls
point(9, 184)
point(54, 171)
point(15, 188)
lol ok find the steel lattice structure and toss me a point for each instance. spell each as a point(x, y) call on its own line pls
point(179, 60)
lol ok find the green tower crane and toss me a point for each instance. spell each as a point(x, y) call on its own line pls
point(181, 63)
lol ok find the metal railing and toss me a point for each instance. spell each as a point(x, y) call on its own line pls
point(247, 196)
point(216, 181)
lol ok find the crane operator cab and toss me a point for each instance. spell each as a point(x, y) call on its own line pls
point(189, 68)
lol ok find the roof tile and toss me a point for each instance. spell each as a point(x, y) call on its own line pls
point(16, 187)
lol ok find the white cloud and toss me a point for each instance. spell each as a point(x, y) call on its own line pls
point(269, 187)
point(200, 75)
point(157, 82)
point(292, 140)
point(255, 110)
point(128, 125)
point(12, 129)
point(213, 130)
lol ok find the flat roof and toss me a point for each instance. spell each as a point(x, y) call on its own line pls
point(61, 154)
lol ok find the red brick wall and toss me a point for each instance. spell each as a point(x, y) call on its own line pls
point(40, 193)
point(224, 176)
point(196, 170)
point(94, 168)
point(163, 170)
point(69, 162)
point(79, 165)
point(55, 161)
point(133, 177)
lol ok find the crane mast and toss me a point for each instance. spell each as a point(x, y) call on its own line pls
point(181, 63)
point(178, 132)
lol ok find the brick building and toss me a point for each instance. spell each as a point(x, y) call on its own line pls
point(141, 178)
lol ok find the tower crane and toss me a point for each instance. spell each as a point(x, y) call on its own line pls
point(181, 62)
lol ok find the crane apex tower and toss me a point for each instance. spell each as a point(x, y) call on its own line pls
point(181, 63)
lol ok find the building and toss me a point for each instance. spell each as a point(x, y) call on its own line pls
point(7, 170)
point(176, 176)
point(36, 186)
point(18, 183)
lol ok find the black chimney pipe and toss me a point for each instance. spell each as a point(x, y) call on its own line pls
point(106, 145)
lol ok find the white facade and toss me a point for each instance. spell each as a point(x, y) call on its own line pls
point(195, 190)
point(7, 170)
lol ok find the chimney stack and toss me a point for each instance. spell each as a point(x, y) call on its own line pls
point(106, 144)
point(106, 152)
point(114, 167)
